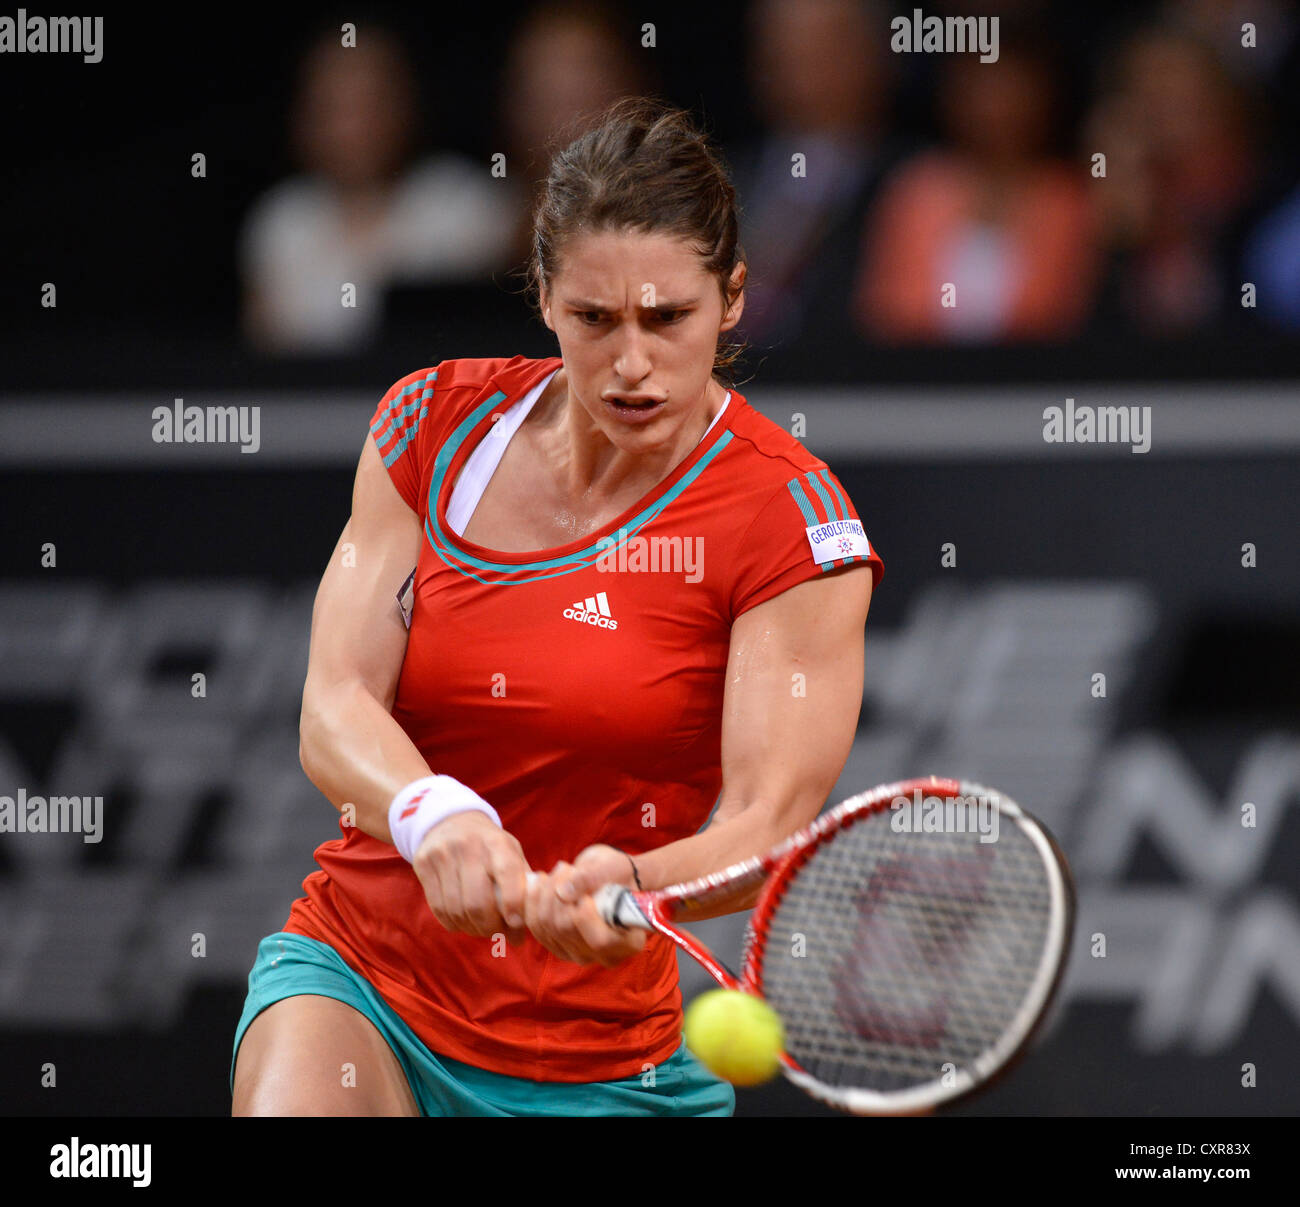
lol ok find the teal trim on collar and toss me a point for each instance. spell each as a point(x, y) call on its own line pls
point(445, 548)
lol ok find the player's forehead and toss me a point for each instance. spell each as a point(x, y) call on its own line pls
point(629, 267)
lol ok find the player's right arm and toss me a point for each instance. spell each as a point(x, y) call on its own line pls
point(473, 873)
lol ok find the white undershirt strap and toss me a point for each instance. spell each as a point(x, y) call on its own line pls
point(483, 461)
point(716, 417)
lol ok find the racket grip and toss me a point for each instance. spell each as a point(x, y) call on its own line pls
point(617, 907)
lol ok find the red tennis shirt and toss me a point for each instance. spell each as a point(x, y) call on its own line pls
point(578, 690)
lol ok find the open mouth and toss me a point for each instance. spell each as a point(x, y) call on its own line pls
point(631, 408)
point(633, 404)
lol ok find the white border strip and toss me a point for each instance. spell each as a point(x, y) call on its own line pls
point(300, 428)
point(983, 423)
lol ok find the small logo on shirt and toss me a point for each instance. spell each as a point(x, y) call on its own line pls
point(838, 539)
point(594, 610)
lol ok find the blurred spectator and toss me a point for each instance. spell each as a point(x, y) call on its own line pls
point(820, 77)
point(565, 62)
point(991, 213)
point(364, 212)
point(1181, 170)
point(1274, 24)
point(1272, 264)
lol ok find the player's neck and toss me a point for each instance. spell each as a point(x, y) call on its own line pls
point(592, 466)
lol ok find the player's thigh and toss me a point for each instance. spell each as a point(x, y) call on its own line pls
point(312, 1055)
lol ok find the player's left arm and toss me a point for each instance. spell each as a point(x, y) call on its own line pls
point(790, 711)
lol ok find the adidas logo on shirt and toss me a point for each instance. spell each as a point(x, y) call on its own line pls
point(592, 611)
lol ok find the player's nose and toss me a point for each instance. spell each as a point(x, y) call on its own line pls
point(632, 362)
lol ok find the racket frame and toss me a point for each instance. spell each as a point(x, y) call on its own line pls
point(662, 909)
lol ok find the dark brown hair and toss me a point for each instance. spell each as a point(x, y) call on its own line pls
point(642, 165)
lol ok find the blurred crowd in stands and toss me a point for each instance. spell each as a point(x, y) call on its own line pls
point(918, 171)
point(1143, 190)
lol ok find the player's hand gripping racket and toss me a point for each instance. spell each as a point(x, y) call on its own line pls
point(910, 952)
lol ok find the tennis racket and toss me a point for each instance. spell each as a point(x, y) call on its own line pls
point(911, 940)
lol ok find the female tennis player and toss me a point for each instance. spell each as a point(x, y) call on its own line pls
point(635, 603)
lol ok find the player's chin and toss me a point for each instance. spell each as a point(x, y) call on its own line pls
point(644, 432)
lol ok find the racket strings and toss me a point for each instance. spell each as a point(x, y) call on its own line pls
point(896, 960)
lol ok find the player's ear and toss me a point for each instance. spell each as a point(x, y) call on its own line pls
point(736, 296)
point(544, 302)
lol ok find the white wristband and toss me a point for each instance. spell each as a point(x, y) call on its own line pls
point(422, 804)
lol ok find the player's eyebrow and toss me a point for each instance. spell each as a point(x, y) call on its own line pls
point(670, 304)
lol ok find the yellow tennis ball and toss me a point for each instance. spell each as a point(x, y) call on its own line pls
point(737, 1036)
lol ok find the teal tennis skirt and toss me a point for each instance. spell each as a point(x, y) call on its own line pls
point(289, 964)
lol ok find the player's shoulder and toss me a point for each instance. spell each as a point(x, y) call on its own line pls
point(796, 519)
point(764, 452)
point(424, 409)
point(471, 375)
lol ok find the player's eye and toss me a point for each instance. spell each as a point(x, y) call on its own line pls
point(671, 316)
point(590, 317)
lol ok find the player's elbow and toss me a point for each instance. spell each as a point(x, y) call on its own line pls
point(306, 754)
point(311, 737)
point(772, 818)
